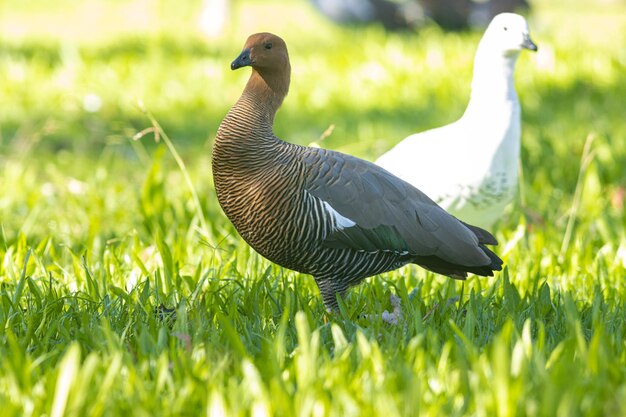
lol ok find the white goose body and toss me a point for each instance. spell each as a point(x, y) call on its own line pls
point(470, 167)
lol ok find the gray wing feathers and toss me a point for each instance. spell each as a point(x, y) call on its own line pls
point(387, 210)
point(483, 236)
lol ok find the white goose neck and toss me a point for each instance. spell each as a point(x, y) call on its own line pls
point(493, 76)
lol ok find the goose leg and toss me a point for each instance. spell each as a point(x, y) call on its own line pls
point(329, 291)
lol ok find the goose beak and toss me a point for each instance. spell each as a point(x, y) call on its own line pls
point(242, 60)
point(527, 43)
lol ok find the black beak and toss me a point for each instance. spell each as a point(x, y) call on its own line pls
point(242, 60)
point(528, 43)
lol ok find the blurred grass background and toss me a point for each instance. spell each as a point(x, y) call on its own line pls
point(97, 229)
point(74, 74)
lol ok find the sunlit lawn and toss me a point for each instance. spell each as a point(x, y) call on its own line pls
point(125, 291)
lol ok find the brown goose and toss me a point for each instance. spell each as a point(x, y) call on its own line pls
point(324, 213)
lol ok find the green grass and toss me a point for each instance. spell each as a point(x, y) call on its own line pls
point(119, 296)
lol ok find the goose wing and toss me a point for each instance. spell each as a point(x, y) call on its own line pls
point(376, 211)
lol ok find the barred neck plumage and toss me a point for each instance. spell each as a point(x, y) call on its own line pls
point(268, 89)
point(250, 121)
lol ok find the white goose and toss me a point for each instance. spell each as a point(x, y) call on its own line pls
point(470, 167)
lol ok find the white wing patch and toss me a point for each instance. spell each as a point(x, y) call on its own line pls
point(341, 221)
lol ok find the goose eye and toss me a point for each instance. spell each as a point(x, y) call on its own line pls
point(506, 28)
point(268, 45)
